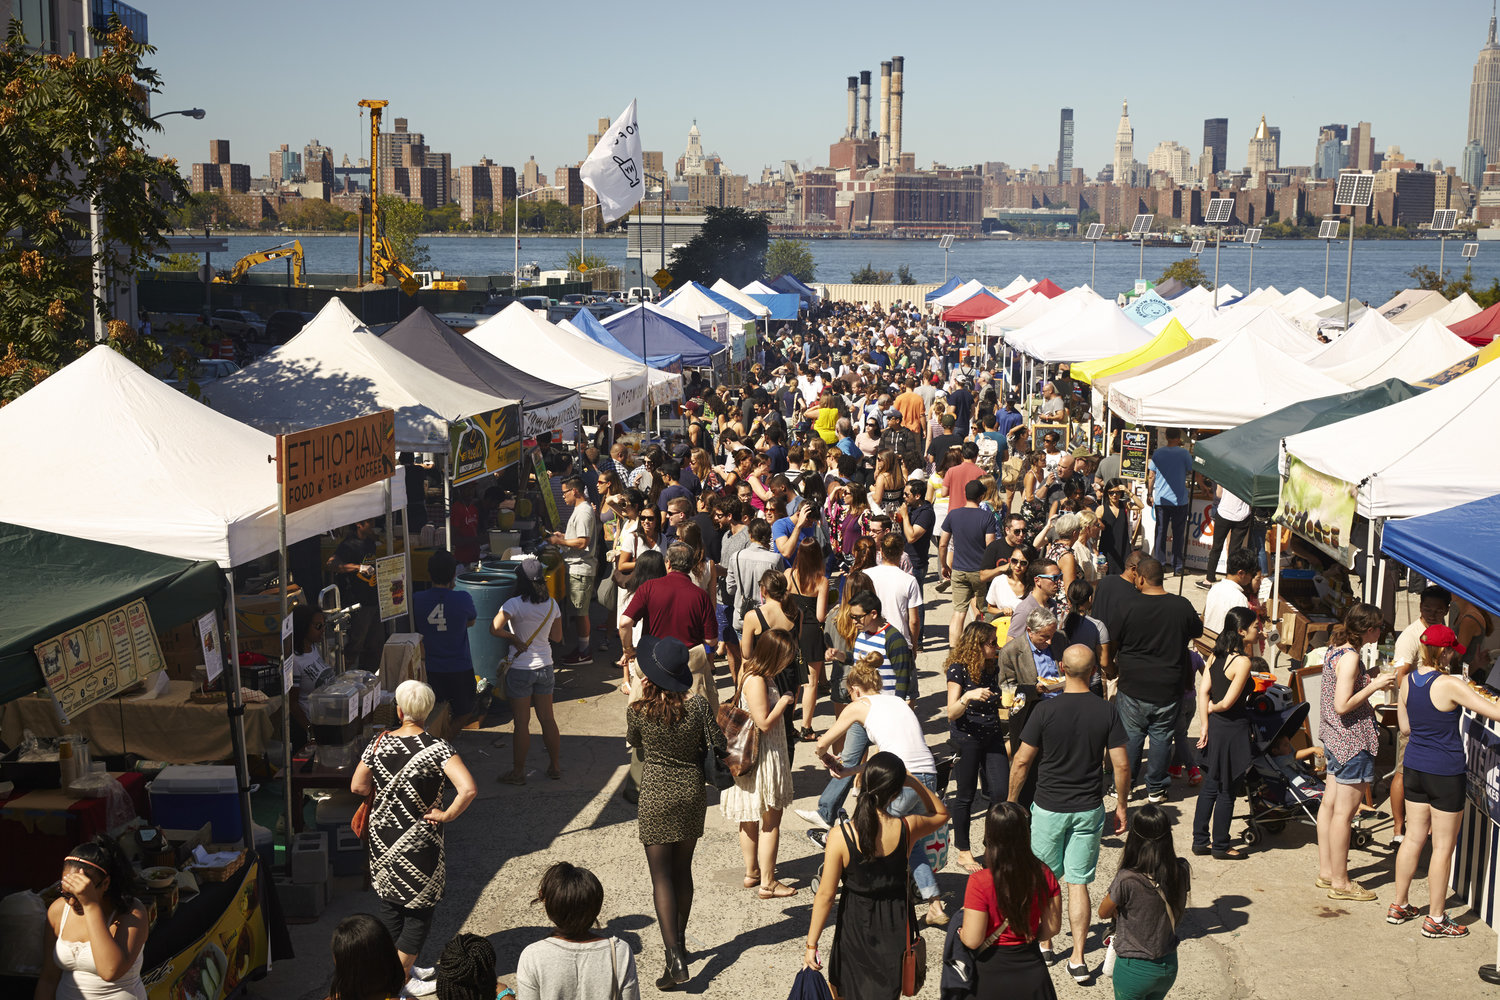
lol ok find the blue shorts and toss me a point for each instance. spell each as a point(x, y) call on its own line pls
point(727, 631)
point(1357, 770)
point(523, 683)
point(1068, 843)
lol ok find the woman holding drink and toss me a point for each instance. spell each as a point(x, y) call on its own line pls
point(976, 732)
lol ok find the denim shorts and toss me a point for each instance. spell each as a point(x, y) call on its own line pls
point(1357, 770)
point(523, 683)
point(728, 630)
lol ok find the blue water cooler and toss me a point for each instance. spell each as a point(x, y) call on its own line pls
point(490, 588)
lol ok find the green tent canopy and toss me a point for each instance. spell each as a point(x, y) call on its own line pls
point(56, 582)
point(1244, 460)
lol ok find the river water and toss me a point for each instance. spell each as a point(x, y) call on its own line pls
point(1380, 266)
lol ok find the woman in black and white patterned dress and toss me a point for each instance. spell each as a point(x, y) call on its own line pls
point(408, 770)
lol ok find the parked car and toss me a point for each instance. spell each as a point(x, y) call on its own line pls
point(241, 322)
point(575, 299)
point(281, 326)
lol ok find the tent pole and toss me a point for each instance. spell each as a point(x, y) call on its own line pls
point(286, 701)
point(237, 721)
point(448, 506)
point(1379, 601)
point(1365, 588)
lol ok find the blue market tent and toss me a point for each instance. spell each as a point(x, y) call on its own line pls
point(730, 306)
point(942, 289)
point(1146, 307)
point(787, 283)
point(783, 306)
point(588, 324)
point(663, 335)
point(1449, 547)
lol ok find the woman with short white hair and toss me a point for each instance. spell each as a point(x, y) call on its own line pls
point(408, 770)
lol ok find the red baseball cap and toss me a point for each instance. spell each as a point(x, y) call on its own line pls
point(1442, 635)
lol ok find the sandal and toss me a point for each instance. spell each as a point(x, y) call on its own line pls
point(554, 773)
point(807, 735)
point(776, 890)
point(512, 778)
point(971, 866)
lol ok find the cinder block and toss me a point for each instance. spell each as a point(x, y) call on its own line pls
point(301, 902)
point(310, 858)
point(349, 856)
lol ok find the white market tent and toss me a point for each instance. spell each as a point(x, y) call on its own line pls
point(663, 387)
point(1230, 383)
point(1018, 285)
point(1332, 318)
point(149, 468)
point(1098, 330)
point(1403, 458)
point(1228, 293)
point(1371, 333)
point(336, 369)
point(994, 326)
point(1060, 311)
point(759, 288)
point(739, 298)
point(1262, 297)
point(1428, 345)
point(1264, 323)
point(1456, 311)
point(962, 293)
point(602, 378)
point(702, 313)
point(1299, 300)
point(1034, 306)
point(1412, 304)
point(1188, 312)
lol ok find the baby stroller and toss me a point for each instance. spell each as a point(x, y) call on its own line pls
point(1281, 788)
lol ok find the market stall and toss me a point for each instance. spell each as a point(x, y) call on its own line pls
point(1414, 353)
point(1171, 339)
point(1412, 304)
point(586, 324)
point(1099, 329)
point(1456, 311)
point(663, 333)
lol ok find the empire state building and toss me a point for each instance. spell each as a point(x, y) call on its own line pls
point(1484, 98)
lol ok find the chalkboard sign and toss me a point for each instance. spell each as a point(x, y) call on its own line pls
point(1135, 449)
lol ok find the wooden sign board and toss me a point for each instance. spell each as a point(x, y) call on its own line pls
point(324, 462)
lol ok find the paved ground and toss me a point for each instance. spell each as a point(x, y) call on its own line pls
point(1255, 928)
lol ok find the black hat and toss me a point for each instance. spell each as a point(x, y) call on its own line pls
point(664, 662)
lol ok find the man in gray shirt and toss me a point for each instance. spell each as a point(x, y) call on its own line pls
point(746, 568)
point(577, 544)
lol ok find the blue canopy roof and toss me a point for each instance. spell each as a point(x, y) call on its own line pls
point(588, 324)
point(787, 283)
point(942, 289)
point(783, 306)
point(1146, 307)
point(663, 334)
point(1449, 547)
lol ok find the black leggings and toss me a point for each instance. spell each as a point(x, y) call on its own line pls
point(671, 867)
point(977, 759)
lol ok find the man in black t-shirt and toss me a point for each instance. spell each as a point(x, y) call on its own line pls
point(918, 522)
point(1115, 590)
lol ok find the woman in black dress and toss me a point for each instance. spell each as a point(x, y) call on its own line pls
point(671, 731)
point(870, 857)
point(807, 584)
point(1224, 732)
point(1118, 534)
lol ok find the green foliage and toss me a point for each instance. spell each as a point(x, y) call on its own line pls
point(867, 275)
point(1186, 271)
point(585, 261)
point(1427, 277)
point(484, 219)
point(402, 223)
point(903, 276)
point(448, 219)
point(318, 215)
point(731, 245)
point(792, 257)
point(180, 262)
point(73, 133)
point(1087, 217)
point(539, 217)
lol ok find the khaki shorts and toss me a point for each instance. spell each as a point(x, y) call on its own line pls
point(966, 587)
point(580, 593)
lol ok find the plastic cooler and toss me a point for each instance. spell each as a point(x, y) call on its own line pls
point(495, 583)
point(185, 796)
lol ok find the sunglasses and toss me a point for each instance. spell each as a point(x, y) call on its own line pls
point(650, 520)
point(1049, 576)
point(1019, 562)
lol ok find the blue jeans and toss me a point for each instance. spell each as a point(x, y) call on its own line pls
point(908, 803)
point(1171, 517)
point(856, 742)
point(1143, 718)
point(1184, 753)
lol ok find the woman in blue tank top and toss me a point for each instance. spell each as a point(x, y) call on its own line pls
point(1428, 710)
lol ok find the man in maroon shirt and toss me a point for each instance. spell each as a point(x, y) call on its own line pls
point(677, 608)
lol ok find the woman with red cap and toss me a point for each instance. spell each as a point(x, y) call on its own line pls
point(1434, 771)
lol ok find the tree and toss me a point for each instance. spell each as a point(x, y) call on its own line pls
point(904, 277)
point(867, 275)
point(483, 218)
point(1427, 277)
point(402, 222)
point(792, 257)
point(444, 219)
point(731, 245)
point(1186, 271)
point(180, 262)
point(72, 130)
point(585, 261)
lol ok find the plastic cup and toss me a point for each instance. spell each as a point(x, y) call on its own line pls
point(1008, 694)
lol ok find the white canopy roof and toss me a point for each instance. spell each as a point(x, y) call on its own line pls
point(739, 298)
point(1412, 305)
point(1098, 330)
point(1427, 347)
point(1405, 458)
point(1369, 335)
point(1189, 312)
point(1062, 310)
point(1262, 297)
point(336, 369)
point(1018, 285)
point(124, 458)
point(1456, 311)
point(1222, 386)
point(760, 288)
point(962, 293)
point(1299, 300)
point(1032, 306)
point(601, 377)
point(1227, 292)
point(993, 326)
point(1264, 323)
point(1331, 319)
point(699, 311)
point(663, 387)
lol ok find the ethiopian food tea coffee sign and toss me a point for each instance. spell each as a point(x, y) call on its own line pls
point(324, 462)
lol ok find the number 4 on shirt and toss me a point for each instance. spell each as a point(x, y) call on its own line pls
point(438, 618)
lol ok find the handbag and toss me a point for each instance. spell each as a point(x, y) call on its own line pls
point(608, 591)
point(914, 955)
point(960, 961)
point(1108, 968)
point(741, 735)
point(714, 771)
point(360, 821)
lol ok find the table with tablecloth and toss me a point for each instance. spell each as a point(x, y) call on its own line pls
point(171, 728)
point(1474, 861)
point(39, 827)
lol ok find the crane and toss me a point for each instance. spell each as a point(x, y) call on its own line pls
point(245, 263)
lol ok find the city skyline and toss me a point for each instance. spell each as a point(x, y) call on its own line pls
point(537, 99)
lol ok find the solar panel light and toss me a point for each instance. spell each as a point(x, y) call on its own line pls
point(1096, 231)
point(1142, 225)
point(1443, 220)
point(1329, 229)
point(1220, 210)
point(1355, 190)
point(946, 242)
point(1252, 236)
point(1197, 247)
point(1471, 250)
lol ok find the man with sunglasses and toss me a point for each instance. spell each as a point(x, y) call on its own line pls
point(1046, 584)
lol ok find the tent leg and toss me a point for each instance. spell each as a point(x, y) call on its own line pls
point(1379, 601)
point(1366, 588)
point(286, 701)
point(237, 722)
point(448, 506)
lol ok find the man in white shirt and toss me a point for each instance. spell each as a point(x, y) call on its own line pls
point(1231, 592)
point(1231, 524)
point(900, 594)
point(577, 544)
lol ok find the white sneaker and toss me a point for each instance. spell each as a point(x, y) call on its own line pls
point(812, 818)
point(1156, 798)
point(418, 988)
point(424, 972)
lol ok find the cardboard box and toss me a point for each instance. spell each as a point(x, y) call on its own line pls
point(1301, 630)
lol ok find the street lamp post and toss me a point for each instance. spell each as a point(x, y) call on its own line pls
point(515, 274)
point(197, 113)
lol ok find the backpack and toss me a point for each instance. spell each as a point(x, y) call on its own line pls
point(1010, 471)
point(989, 448)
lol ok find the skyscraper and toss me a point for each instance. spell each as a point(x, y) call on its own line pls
point(1261, 155)
point(1332, 153)
point(1065, 146)
point(1216, 139)
point(1124, 147)
point(1473, 164)
point(1484, 97)
point(1361, 147)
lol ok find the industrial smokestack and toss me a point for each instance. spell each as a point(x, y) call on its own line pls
point(885, 114)
point(898, 91)
point(864, 104)
point(853, 107)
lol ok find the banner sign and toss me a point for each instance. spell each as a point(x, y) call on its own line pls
point(99, 659)
point(324, 462)
point(485, 443)
point(209, 636)
point(390, 586)
point(1482, 771)
point(228, 955)
point(544, 486)
point(1135, 450)
point(1318, 507)
point(540, 421)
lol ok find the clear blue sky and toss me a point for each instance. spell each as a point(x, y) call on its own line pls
point(766, 81)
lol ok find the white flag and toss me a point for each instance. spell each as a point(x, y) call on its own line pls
point(614, 169)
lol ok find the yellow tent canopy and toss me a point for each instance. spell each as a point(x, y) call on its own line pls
point(1478, 359)
point(1173, 337)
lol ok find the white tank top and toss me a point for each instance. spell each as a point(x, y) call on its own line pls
point(80, 977)
point(893, 726)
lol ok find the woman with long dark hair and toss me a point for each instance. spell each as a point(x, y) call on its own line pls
point(96, 930)
point(531, 621)
point(1224, 732)
point(1147, 900)
point(807, 587)
point(365, 963)
point(975, 730)
point(1010, 904)
point(868, 857)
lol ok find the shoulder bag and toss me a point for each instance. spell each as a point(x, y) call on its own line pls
point(1108, 968)
point(741, 734)
point(914, 954)
point(714, 771)
point(360, 821)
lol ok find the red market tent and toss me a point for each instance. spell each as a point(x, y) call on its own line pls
point(975, 307)
point(1048, 288)
point(1481, 328)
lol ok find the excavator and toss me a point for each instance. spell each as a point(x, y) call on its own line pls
point(245, 263)
point(383, 259)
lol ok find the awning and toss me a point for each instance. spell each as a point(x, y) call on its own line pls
point(1454, 547)
point(1173, 338)
point(1480, 329)
point(783, 305)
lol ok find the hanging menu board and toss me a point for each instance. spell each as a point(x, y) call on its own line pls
point(97, 660)
point(1134, 451)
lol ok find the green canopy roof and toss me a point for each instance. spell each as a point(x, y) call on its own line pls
point(1244, 460)
point(56, 582)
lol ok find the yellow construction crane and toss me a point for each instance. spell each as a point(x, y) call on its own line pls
point(383, 260)
point(245, 263)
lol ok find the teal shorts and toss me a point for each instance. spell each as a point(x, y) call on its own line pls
point(1068, 843)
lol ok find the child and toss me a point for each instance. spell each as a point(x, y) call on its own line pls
point(574, 961)
point(1147, 900)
